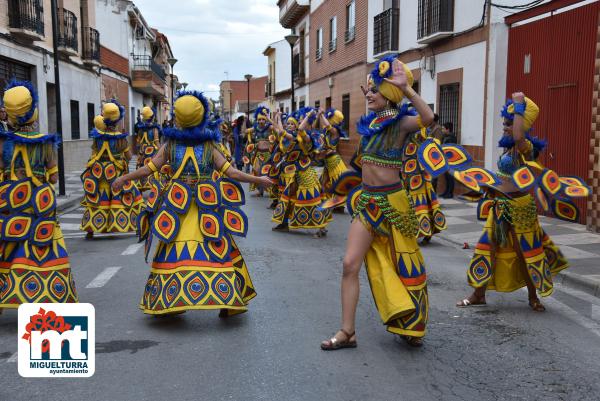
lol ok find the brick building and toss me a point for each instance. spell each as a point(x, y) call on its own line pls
point(234, 92)
point(338, 62)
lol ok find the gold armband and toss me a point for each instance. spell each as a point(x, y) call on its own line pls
point(52, 170)
point(152, 166)
point(224, 168)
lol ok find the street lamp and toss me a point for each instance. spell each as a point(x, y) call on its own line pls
point(184, 84)
point(172, 62)
point(292, 39)
point(248, 78)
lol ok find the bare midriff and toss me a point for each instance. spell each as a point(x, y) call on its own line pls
point(374, 175)
point(263, 145)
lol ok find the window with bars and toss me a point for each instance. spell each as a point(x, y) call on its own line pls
point(9, 70)
point(75, 126)
point(319, 51)
point(350, 22)
point(449, 105)
point(435, 16)
point(317, 104)
point(332, 34)
point(386, 31)
point(346, 111)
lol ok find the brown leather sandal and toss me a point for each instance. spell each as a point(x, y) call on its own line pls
point(536, 305)
point(334, 344)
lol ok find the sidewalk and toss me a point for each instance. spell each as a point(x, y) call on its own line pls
point(580, 247)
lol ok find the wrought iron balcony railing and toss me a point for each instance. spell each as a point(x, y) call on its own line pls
point(386, 31)
point(26, 15)
point(91, 44)
point(146, 63)
point(67, 32)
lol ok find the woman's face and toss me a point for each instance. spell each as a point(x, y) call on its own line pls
point(291, 126)
point(2, 114)
point(262, 122)
point(375, 100)
point(507, 126)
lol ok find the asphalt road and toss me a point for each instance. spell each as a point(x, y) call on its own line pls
point(501, 352)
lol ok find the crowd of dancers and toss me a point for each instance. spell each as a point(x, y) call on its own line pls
point(191, 175)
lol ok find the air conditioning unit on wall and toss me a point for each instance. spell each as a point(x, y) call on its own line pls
point(429, 64)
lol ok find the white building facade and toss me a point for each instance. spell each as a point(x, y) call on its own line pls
point(457, 50)
point(278, 88)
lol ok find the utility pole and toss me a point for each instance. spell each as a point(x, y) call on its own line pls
point(61, 157)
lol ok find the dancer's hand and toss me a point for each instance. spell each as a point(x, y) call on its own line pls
point(518, 97)
point(118, 184)
point(399, 77)
point(264, 182)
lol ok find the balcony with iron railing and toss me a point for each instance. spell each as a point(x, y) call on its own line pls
point(90, 39)
point(68, 42)
point(297, 73)
point(147, 76)
point(386, 31)
point(435, 20)
point(291, 11)
point(26, 19)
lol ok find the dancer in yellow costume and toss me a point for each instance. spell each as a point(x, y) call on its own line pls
point(147, 136)
point(331, 132)
point(514, 251)
point(298, 206)
point(261, 138)
point(383, 231)
point(106, 210)
point(34, 264)
point(197, 264)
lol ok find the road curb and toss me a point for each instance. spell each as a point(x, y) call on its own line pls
point(576, 281)
point(68, 203)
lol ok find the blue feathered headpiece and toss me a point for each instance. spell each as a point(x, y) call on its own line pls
point(376, 75)
point(303, 112)
point(201, 132)
point(110, 123)
point(507, 141)
point(504, 112)
point(261, 110)
point(34, 98)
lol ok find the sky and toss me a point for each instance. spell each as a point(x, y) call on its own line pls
point(215, 40)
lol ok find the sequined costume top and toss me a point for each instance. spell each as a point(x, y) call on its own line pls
point(379, 143)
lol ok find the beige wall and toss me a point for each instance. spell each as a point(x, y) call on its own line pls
point(76, 154)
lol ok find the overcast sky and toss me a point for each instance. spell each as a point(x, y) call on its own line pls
point(211, 37)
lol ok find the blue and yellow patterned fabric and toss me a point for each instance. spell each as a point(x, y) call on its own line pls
point(300, 188)
point(512, 229)
point(417, 182)
point(106, 210)
point(197, 264)
point(395, 265)
point(147, 137)
point(334, 166)
point(34, 263)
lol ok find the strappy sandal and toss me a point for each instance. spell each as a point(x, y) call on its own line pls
point(334, 344)
point(465, 303)
point(413, 341)
point(536, 305)
point(89, 235)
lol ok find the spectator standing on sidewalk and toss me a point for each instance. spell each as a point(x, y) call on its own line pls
point(449, 137)
point(3, 119)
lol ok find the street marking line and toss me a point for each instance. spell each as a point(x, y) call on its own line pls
point(596, 313)
point(70, 226)
point(132, 249)
point(71, 216)
point(566, 310)
point(13, 358)
point(103, 278)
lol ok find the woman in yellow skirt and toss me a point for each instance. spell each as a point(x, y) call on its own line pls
point(34, 264)
point(147, 137)
point(514, 251)
point(106, 210)
point(383, 231)
point(197, 264)
point(298, 206)
point(261, 139)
